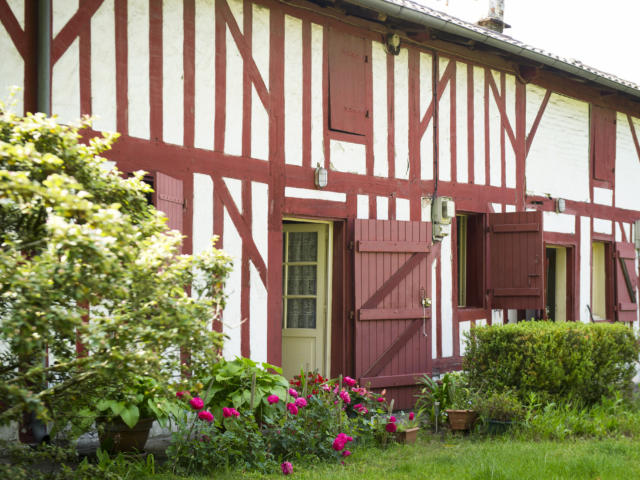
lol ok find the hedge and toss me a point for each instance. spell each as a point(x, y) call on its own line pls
point(559, 361)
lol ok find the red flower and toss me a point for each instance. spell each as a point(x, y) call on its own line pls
point(292, 408)
point(293, 392)
point(349, 381)
point(182, 393)
point(300, 402)
point(345, 397)
point(338, 444)
point(286, 467)
point(273, 399)
point(380, 399)
point(230, 412)
point(412, 416)
point(392, 418)
point(390, 427)
point(205, 415)
point(346, 453)
point(196, 403)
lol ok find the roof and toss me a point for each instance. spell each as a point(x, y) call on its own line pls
point(414, 12)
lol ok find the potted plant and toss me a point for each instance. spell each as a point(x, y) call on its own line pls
point(407, 427)
point(500, 411)
point(461, 413)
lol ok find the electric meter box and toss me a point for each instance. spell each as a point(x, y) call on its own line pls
point(443, 210)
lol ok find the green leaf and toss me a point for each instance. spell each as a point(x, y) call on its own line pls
point(130, 415)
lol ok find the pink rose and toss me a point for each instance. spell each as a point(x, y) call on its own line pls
point(325, 387)
point(182, 393)
point(345, 397)
point(293, 393)
point(300, 402)
point(412, 416)
point(292, 408)
point(380, 399)
point(196, 403)
point(390, 427)
point(273, 399)
point(226, 412)
point(392, 418)
point(349, 381)
point(346, 453)
point(235, 412)
point(205, 415)
point(357, 406)
point(338, 444)
point(286, 467)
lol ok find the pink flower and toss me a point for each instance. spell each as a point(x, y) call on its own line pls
point(182, 393)
point(345, 397)
point(358, 406)
point(293, 392)
point(380, 399)
point(325, 387)
point(292, 408)
point(235, 412)
point(273, 399)
point(196, 403)
point(205, 415)
point(230, 412)
point(412, 416)
point(346, 453)
point(349, 381)
point(390, 427)
point(300, 402)
point(338, 444)
point(286, 467)
point(392, 418)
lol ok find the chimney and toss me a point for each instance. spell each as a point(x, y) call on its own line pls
point(495, 19)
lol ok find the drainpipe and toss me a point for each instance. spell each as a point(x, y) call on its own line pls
point(43, 48)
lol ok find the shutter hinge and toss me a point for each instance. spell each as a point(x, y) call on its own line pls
point(350, 246)
point(351, 315)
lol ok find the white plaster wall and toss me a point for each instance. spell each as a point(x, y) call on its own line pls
point(11, 70)
point(444, 127)
point(497, 317)
point(317, 112)
point(260, 217)
point(172, 72)
point(627, 164)
point(138, 67)
point(17, 8)
point(509, 208)
point(558, 161)
point(382, 208)
point(585, 268)
point(260, 42)
point(65, 85)
point(495, 127)
point(231, 319)
point(234, 96)
point(434, 305)
point(103, 67)
point(205, 75)
point(479, 160)
point(293, 90)
point(509, 153)
point(315, 194)
point(348, 157)
point(446, 308)
point(559, 222)
point(535, 96)
point(258, 303)
point(362, 207)
point(61, 13)
point(463, 328)
point(425, 209)
point(380, 120)
point(202, 212)
point(401, 113)
point(603, 196)
point(462, 153)
point(426, 98)
point(403, 210)
point(602, 225)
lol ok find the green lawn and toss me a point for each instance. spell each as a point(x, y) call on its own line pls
point(478, 458)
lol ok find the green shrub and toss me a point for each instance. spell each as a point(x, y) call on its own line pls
point(562, 361)
point(503, 407)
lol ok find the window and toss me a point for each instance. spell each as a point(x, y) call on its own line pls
point(470, 251)
point(348, 109)
point(603, 145)
point(601, 281)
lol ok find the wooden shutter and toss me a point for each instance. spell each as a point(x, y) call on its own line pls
point(603, 143)
point(516, 260)
point(169, 199)
point(626, 282)
point(392, 272)
point(348, 110)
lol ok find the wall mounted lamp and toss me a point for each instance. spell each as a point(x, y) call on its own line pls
point(560, 205)
point(321, 177)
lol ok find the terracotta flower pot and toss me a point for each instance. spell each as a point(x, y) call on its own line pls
point(407, 436)
point(116, 436)
point(461, 420)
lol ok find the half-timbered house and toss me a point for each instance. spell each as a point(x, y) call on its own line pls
point(321, 139)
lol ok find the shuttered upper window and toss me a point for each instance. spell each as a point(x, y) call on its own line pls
point(603, 144)
point(348, 110)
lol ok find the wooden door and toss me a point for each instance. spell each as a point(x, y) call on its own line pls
point(392, 329)
point(626, 282)
point(304, 298)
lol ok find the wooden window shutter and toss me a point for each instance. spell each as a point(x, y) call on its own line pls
point(603, 143)
point(348, 111)
point(169, 199)
point(516, 260)
point(626, 282)
point(392, 272)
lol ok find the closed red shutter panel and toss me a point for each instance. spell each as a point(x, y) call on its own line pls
point(169, 199)
point(626, 282)
point(516, 260)
point(392, 272)
point(348, 110)
point(603, 143)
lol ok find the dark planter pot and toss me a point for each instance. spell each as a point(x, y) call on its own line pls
point(498, 427)
point(115, 436)
point(408, 436)
point(461, 420)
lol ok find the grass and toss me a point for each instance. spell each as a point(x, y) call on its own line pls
point(476, 458)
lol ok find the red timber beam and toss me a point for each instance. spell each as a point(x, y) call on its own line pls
point(11, 25)
point(534, 127)
point(78, 23)
point(500, 102)
point(634, 135)
point(448, 74)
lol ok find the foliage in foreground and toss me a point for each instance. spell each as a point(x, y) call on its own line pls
point(84, 258)
point(558, 361)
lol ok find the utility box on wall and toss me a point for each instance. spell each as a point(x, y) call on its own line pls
point(442, 212)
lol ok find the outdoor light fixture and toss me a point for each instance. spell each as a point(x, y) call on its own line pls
point(560, 205)
point(321, 177)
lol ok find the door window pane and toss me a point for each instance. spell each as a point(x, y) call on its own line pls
point(302, 280)
point(303, 247)
point(301, 313)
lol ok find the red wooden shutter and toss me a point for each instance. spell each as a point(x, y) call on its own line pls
point(169, 199)
point(626, 282)
point(603, 143)
point(392, 272)
point(516, 260)
point(348, 110)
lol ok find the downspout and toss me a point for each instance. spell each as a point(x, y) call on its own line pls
point(43, 48)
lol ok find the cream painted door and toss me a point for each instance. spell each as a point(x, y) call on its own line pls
point(304, 272)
